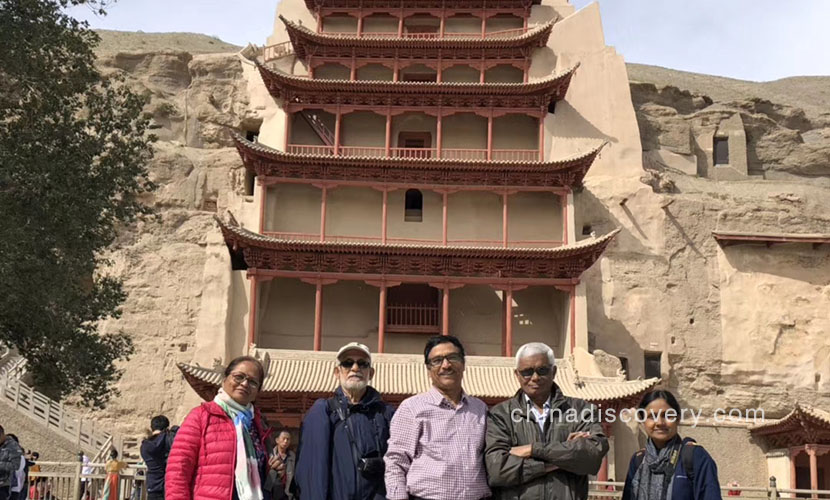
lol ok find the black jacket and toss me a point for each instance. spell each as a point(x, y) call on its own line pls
point(154, 451)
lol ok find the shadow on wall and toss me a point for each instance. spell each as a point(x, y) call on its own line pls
point(577, 125)
point(810, 265)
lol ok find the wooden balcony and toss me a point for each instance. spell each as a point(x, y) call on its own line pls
point(516, 155)
point(429, 35)
point(413, 318)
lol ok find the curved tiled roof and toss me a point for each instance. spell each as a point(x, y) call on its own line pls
point(404, 374)
point(302, 37)
point(268, 153)
point(280, 80)
point(242, 238)
point(800, 417)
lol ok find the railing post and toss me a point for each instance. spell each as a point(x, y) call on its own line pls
point(78, 431)
point(76, 483)
point(772, 493)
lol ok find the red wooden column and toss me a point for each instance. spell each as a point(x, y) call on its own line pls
point(542, 136)
point(384, 218)
point(483, 69)
point(794, 452)
point(319, 22)
point(289, 117)
point(382, 317)
point(564, 198)
point(323, 204)
point(318, 316)
point(508, 322)
point(527, 70)
point(400, 25)
point(445, 217)
point(252, 312)
point(504, 215)
point(483, 24)
point(445, 310)
point(353, 70)
point(442, 26)
point(811, 452)
point(490, 136)
point(337, 131)
point(360, 25)
point(573, 318)
point(396, 71)
point(439, 134)
point(388, 143)
point(263, 201)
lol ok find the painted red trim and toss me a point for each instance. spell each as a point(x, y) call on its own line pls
point(444, 217)
point(384, 217)
point(445, 310)
point(252, 311)
point(573, 318)
point(382, 318)
point(564, 198)
point(508, 322)
point(323, 210)
point(318, 317)
point(266, 274)
point(505, 235)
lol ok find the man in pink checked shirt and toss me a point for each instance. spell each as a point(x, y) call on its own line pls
point(436, 443)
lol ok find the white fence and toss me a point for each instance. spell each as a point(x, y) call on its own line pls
point(71, 481)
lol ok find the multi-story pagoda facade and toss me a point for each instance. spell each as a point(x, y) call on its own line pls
point(413, 179)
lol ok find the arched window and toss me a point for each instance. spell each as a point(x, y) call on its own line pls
point(413, 206)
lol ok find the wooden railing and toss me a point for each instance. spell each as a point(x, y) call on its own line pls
point(413, 318)
point(73, 480)
point(447, 153)
point(414, 241)
point(428, 36)
point(609, 490)
point(272, 52)
point(53, 416)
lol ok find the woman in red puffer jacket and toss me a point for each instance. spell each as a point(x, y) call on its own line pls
point(224, 449)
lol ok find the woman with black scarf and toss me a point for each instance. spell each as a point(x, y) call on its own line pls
point(670, 467)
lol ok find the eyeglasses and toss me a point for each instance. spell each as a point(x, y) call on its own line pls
point(454, 358)
point(542, 371)
point(241, 377)
point(349, 363)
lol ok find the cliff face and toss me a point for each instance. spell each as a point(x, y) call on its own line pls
point(745, 326)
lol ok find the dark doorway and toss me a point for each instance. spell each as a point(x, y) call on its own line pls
point(413, 308)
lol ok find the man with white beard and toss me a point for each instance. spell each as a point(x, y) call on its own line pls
point(343, 438)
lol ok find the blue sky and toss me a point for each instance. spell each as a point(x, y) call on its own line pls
point(748, 39)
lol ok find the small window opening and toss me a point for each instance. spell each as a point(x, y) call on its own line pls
point(586, 230)
point(624, 363)
point(413, 206)
point(652, 364)
point(250, 181)
point(252, 135)
point(721, 151)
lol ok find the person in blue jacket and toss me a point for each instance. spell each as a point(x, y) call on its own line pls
point(670, 467)
point(343, 438)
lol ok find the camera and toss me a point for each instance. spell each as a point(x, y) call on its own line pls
point(371, 466)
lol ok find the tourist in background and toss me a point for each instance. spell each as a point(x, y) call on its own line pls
point(533, 449)
point(223, 447)
point(436, 444)
point(10, 454)
point(112, 484)
point(343, 438)
point(669, 466)
point(154, 452)
point(283, 474)
point(18, 480)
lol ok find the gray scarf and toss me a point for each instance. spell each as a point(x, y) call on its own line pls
point(656, 471)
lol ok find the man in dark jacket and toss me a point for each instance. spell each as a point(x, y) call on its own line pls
point(540, 443)
point(343, 438)
point(10, 454)
point(281, 476)
point(154, 451)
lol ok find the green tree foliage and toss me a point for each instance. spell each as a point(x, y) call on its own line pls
point(74, 150)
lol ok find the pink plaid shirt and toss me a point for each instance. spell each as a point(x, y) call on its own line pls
point(436, 451)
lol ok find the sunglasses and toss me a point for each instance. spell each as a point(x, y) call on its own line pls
point(437, 361)
point(349, 363)
point(542, 371)
point(239, 378)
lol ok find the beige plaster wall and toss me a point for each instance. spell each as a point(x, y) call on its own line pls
point(504, 73)
point(350, 314)
point(379, 23)
point(293, 208)
point(515, 132)
point(353, 211)
point(430, 226)
point(503, 22)
point(332, 71)
point(540, 315)
point(461, 73)
point(302, 133)
point(474, 215)
point(339, 23)
point(363, 128)
point(288, 315)
point(476, 319)
point(375, 72)
point(739, 456)
point(534, 216)
point(413, 122)
point(464, 131)
point(462, 24)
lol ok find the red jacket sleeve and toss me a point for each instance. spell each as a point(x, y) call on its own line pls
point(184, 457)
